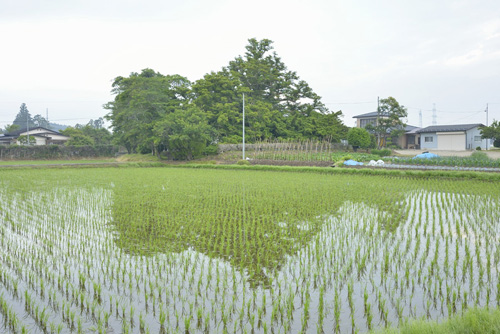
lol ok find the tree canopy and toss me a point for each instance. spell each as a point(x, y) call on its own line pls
point(390, 121)
point(91, 134)
point(359, 137)
point(148, 106)
point(492, 132)
point(23, 119)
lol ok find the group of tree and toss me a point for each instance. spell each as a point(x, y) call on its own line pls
point(492, 132)
point(24, 120)
point(91, 134)
point(154, 113)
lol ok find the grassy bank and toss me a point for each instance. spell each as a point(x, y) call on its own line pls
point(480, 321)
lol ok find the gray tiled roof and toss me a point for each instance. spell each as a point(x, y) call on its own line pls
point(368, 115)
point(449, 128)
point(18, 132)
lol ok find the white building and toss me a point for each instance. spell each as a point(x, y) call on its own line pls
point(458, 137)
point(42, 136)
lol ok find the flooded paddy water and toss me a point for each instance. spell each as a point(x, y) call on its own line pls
point(203, 251)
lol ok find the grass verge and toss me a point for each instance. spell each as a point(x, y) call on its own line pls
point(480, 321)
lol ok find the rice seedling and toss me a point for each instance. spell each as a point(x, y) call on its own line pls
point(190, 250)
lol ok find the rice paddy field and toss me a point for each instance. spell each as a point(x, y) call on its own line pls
point(177, 250)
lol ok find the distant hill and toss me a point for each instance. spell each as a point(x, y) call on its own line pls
point(57, 127)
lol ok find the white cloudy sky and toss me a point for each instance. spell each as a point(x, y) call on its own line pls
point(62, 55)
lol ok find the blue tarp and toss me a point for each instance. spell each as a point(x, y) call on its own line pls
point(426, 155)
point(352, 163)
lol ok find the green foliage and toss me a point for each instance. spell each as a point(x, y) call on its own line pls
point(243, 162)
point(277, 103)
point(358, 137)
point(11, 128)
point(390, 121)
point(184, 133)
point(480, 156)
point(141, 101)
point(491, 132)
point(23, 118)
point(78, 139)
point(39, 120)
point(212, 149)
point(381, 153)
point(24, 140)
point(87, 135)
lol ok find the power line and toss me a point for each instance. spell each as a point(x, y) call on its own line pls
point(446, 111)
point(458, 119)
point(351, 102)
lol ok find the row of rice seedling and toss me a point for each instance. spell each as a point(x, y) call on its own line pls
point(185, 250)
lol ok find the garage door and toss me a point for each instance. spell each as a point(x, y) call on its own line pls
point(451, 141)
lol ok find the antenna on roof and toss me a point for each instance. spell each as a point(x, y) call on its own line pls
point(434, 114)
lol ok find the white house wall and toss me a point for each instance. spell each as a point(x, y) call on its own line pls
point(58, 137)
point(472, 143)
point(428, 145)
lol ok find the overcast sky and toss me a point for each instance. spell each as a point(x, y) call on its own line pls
point(62, 55)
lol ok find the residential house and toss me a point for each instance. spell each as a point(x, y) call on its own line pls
point(42, 136)
point(410, 139)
point(452, 137)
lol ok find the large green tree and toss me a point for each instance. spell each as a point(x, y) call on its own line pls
point(358, 137)
point(492, 132)
point(91, 134)
point(141, 100)
point(184, 133)
point(11, 128)
point(23, 118)
point(39, 120)
point(390, 121)
point(277, 103)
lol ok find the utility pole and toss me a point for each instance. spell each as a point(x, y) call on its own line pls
point(420, 118)
point(243, 126)
point(486, 111)
point(27, 129)
point(378, 116)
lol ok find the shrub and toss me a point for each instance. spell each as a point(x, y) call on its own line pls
point(381, 153)
point(211, 149)
point(243, 162)
point(480, 156)
point(478, 148)
point(358, 137)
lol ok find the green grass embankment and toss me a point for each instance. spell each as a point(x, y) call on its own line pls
point(473, 321)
